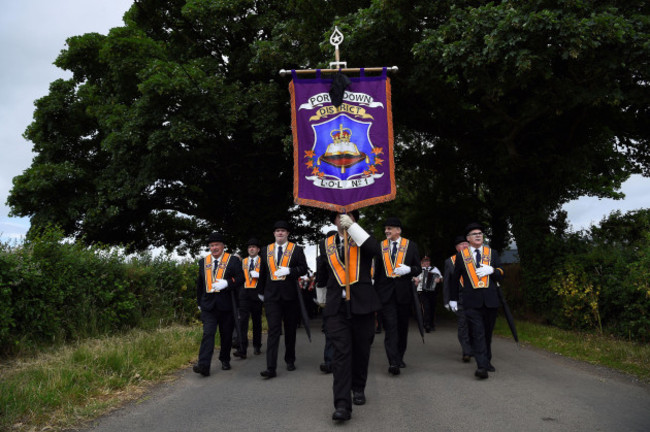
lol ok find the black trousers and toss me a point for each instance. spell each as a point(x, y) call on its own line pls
point(395, 318)
point(351, 339)
point(211, 320)
point(252, 309)
point(480, 323)
point(279, 314)
point(428, 300)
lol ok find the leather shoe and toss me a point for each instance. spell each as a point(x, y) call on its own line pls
point(402, 364)
point(491, 368)
point(241, 355)
point(341, 414)
point(291, 367)
point(268, 373)
point(225, 365)
point(257, 351)
point(201, 370)
point(466, 358)
point(326, 368)
point(358, 397)
point(393, 370)
point(481, 373)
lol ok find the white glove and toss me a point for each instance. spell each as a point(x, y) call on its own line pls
point(402, 270)
point(484, 270)
point(199, 307)
point(261, 297)
point(220, 284)
point(281, 271)
point(254, 274)
point(345, 221)
point(453, 305)
point(447, 306)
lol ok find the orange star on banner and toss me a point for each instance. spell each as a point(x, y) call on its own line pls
point(372, 169)
point(309, 154)
point(315, 171)
point(378, 161)
point(377, 150)
point(310, 164)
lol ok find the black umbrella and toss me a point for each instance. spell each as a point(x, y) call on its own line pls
point(235, 311)
point(303, 313)
point(418, 310)
point(508, 314)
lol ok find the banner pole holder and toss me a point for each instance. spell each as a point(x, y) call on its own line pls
point(338, 66)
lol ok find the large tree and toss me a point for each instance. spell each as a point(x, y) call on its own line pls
point(177, 123)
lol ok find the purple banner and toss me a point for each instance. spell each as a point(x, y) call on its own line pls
point(342, 156)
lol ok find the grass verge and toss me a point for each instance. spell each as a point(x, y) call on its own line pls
point(72, 384)
point(628, 357)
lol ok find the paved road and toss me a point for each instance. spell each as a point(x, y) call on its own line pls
point(531, 391)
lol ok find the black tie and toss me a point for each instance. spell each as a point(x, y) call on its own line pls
point(424, 278)
point(393, 252)
point(279, 255)
point(215, 264)
point(252, 266)
point(478, 258)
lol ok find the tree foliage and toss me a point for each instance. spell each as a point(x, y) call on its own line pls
point(177, 123)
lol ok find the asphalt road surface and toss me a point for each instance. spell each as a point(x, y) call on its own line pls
point(531, 390)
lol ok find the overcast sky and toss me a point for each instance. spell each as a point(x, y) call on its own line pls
point(33, 33)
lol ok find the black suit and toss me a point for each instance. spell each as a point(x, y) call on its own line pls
point(350, 337)
point(250, 305)
point(463, 333)
point(217, 311)
point(480, 306)
point(281, 305)
point(396, 295)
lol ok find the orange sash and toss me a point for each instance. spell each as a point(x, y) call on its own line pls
point(286, 258)
point(220, 271)
point(338, 266)
point(390, 266)
point(250, 282)
point(468, 260)
point(453, 261)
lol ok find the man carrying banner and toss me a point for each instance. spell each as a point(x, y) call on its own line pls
point(219, 274)
point(460, 243)
point(480, 268)
point(250, 304)
point(282, 264)
point(400, 262)
point(350, 322)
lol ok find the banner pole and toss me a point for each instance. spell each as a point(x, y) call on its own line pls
point(347, 272)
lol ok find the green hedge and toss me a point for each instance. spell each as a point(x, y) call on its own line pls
point(54, 291)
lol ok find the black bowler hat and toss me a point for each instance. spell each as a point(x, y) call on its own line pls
point(354, 213)
point(459, 239)
point(473, 226)
point(393, 222)
point(281, 225)
point(216, 237)
point(253, 242)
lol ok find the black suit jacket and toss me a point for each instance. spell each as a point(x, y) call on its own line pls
point(249, 294)
point(476, 298)
point(221, 300)
point(363, 296)
point(401, 286)
point(282, 289)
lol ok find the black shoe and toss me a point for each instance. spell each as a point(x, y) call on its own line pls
point(427, 329)
point(491, 368)
point(257, 351)
point(225, 365)
point(466, 358)
point(201, 370)
point(240, 354)
point(268, 373)
point(393, 370)
point(326, 368)
point(341, 414)
point(358, 398)
point(402, 364)
point(481, 373)
point(291, 367)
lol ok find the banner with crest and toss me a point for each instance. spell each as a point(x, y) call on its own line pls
point(343, 156)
